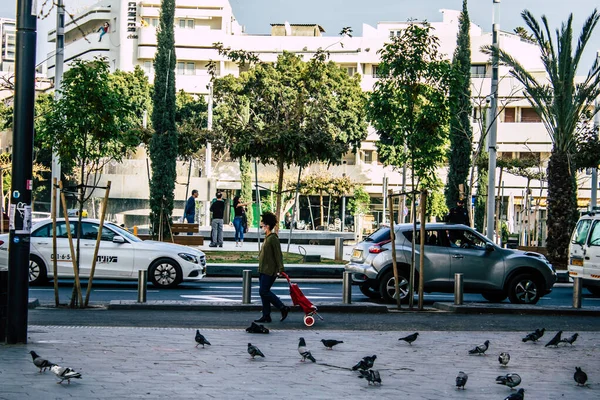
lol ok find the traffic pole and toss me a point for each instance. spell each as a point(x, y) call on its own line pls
point(22, 178)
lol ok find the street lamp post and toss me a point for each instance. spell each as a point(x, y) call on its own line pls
point(491, 200)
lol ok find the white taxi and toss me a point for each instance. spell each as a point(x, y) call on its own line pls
point(120, 255)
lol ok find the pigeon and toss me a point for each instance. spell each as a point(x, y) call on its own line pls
point(510, 380)
point(365, 364)
point(254, 351)
point(571, 339)
point(40, 362)
point(555, 340)
point(534, 336)
point(65, 373)
point(461, 380)
point(481, 349)
point(372, 376)
point(410, 338)
point(200, 339)
point(580, 377)
point(329, 343)
point(519, 395)
point(304, 352)
point(503, 359)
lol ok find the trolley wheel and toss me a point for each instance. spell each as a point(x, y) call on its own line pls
point(309, 320)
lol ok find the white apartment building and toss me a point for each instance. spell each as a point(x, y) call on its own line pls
point(8, 38)
point(131, 41)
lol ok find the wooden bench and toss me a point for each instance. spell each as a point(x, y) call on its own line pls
point(180, 235)
point(178, 228)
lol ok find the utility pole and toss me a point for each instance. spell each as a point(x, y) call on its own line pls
point(491, 199)
point(594, 188)
point(208, 154)
point(22, 176)
point(59, 60)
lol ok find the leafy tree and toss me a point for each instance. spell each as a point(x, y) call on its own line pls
point(461, 134)
point(290, 113)
point(164, 144)
point(563, 106)
point(360, 203)
point(191, 117)
point(246, 183)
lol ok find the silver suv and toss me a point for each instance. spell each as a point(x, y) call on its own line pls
point(492, 271)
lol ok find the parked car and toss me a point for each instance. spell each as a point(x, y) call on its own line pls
point(492, 271)
point(120, 255)
point(584, 252)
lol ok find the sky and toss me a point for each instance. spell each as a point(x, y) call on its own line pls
point(333, 15)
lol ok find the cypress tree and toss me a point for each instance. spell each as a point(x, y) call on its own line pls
point(163, 145)
point(461, 134)
point(246, 181)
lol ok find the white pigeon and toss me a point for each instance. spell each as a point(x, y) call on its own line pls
point(503, 359)
point(65, 373)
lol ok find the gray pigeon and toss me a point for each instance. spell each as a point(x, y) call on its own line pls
point(65, 373)
point(410, 338)
point(503, 359)
point(481, 349)
point(366, 363)
point(570, 340)
point(304, 352)
point(372, 376)
point(200, 339)
point(519, 395)
point(461, 380)
point(510, 380)
point(534, 336)
point(361, 365)
point(555, 340)
point(329, 343)
point(40, 362)
point(254, 351)
point(580, 377)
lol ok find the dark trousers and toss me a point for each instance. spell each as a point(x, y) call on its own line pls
point(190, 220)
point(265, 282)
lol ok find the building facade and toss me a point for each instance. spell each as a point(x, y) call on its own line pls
point(131, 41)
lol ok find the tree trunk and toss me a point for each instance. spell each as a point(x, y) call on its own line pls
point(322, 208)
point(562, 206)
point(280, 171)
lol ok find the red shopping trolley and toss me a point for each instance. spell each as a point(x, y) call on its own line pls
point(299, 299)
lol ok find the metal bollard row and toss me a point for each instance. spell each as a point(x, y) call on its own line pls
point(246, 286)
point(142, 285)
point(458, 289)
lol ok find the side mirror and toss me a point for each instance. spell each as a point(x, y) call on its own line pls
point(118, 239)
point(489, 247)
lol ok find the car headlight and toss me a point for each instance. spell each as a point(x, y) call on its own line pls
point(189, 257)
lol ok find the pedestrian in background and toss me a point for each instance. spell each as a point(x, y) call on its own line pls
point(189, 212)
point(270, 265)
point(239, 211)
point(459, 214)
point(218, 209)
point(103, 30)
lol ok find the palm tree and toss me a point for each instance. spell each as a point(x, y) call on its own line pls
point(564, 106)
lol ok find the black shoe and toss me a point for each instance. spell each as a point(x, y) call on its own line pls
point(263, 319)
point(220, 245)
point(284, 312)
point(212, 245)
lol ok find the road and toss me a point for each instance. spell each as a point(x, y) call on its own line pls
point(230, 290)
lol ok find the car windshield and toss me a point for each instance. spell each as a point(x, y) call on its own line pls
point(124, 233)
point(581, 231)
point(380, 235)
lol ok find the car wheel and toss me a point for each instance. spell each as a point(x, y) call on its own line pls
point(387, 287)
point(524, 289)
point(594, 290)
point(369, 290)
point(165, 273)
point(38, 274)
point(494, 297)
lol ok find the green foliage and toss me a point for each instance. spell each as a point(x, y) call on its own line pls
point(246, 182)
point(461, 134)
point(563, 106)
point(164, 142)
point(409, 105)
point(482, 165)
point(325, 183)
point(436, 201)
point(360, 204)
point(191, 118)
point(289, 113)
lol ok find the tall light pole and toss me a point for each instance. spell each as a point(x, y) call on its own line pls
point(208, 155)
point(493, 130)
point(22, 174)
point(59, 59)
point(594, 188)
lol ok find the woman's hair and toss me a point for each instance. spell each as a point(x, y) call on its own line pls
point(236, 201)
point(268, 218)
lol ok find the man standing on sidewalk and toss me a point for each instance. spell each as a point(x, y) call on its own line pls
point(189, 213)
point(218, 209)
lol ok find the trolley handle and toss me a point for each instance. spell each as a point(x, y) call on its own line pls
point(285, 276)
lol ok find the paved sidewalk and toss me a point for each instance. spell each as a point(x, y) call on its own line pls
point(153, 363)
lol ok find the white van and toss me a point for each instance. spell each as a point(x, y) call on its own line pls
point(584, 252)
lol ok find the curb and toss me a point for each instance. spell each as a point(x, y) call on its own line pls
point(189, 306)
point(485, 308)
point(294, 271)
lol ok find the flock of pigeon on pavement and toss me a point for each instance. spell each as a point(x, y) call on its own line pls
point(365, 366)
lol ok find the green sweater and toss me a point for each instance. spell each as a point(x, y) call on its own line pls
point(270, 260)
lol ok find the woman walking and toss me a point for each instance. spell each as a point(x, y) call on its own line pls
point(270, 264)
point(239, 210)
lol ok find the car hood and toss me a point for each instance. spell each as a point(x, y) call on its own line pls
point(170, 247)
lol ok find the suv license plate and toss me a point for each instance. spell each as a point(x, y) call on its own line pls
point(356, 253)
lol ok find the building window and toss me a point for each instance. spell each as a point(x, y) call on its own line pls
point(154, 22)
point(186, 23)
point(509, 114)
point(478, 71)
point(476, 113)
point(186, 68)
point(529, 115)
point(533, 156)
point(351, 71)
point(148, 67)
point(368, 156)
point(394, 33)
point(375, 71)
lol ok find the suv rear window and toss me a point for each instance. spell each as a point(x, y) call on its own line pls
point(380, 235)
point(581, 231)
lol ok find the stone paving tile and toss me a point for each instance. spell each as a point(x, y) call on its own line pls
point(155, 363)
